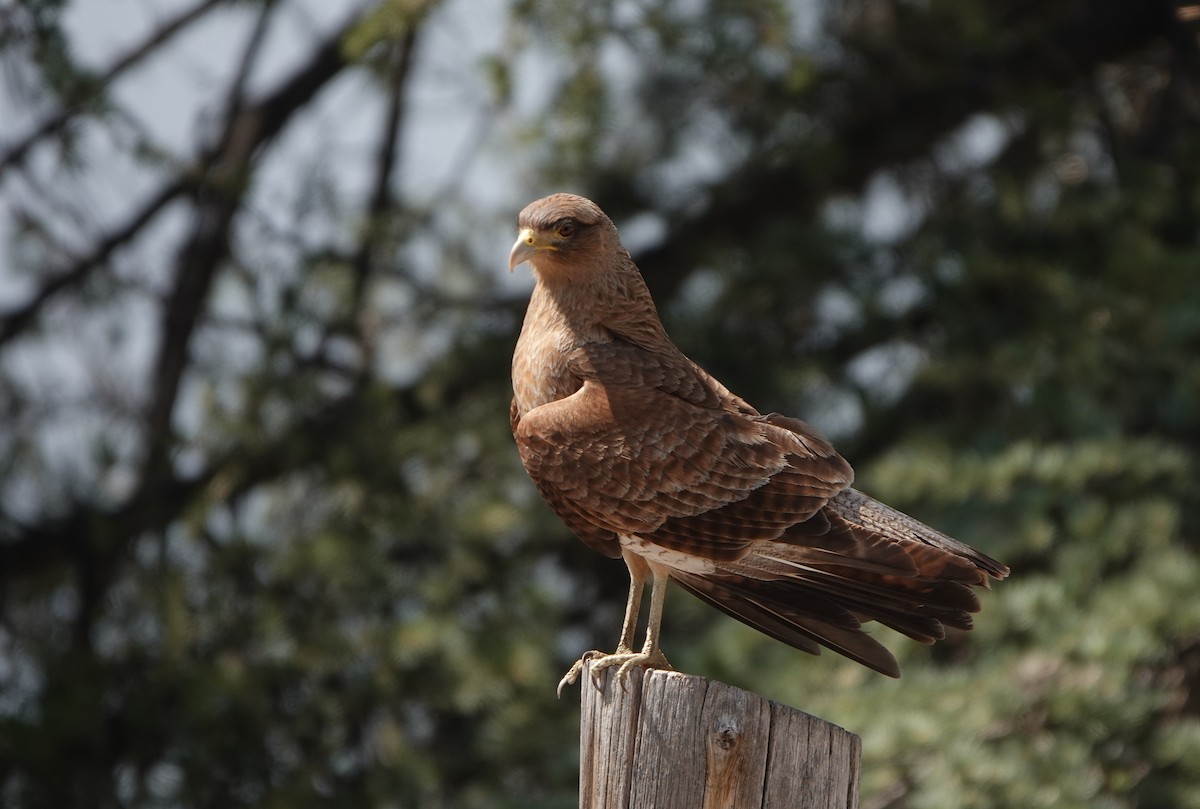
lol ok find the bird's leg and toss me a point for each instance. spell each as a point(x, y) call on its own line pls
point(650, 656)
point(637, 579)
point(637, 583)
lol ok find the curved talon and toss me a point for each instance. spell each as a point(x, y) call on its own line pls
point(569, 678)
point(576, 669)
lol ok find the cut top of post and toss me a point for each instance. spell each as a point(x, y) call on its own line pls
point(676, 741)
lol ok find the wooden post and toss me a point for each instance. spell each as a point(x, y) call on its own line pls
point(676, 741)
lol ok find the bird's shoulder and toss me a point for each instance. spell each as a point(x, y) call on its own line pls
point(656, 369)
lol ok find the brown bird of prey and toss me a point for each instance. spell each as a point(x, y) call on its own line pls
point(647, 457)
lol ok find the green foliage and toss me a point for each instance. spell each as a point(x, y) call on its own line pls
point(339, 587)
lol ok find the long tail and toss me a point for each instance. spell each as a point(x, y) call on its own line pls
point(857, 560)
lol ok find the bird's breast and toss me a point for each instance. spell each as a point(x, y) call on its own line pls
point(540, 372)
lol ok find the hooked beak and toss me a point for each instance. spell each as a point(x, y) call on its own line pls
point(526, 246)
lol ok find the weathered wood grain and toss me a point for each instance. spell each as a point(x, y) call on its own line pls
point(675, 741)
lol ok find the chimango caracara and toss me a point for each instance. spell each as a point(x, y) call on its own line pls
point(647, 457)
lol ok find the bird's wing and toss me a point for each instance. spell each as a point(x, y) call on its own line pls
point(644, 448)
point(930, 546)
point(595, 537)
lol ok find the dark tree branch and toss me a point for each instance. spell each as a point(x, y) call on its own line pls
point(94, 537)
point(15, 321)
point(218, 199)
point(380, 207)
point(16, 153)
point(250, 53)
point(380, 202)
point(87, 532)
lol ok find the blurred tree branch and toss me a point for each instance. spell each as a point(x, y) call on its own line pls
point(379, 211)
point(17, 320)
point(96, 86)
point(225, 174)
point(215, 188)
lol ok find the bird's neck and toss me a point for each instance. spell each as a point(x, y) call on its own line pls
point(563, 317)
point(599, 305)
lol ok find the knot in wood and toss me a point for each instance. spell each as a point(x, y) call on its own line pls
point(727, 736)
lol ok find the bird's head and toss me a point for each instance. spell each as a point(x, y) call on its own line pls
point(561, 232)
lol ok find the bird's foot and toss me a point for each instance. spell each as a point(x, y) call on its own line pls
point(626, 661)
point(624, 658)
point(577, 668)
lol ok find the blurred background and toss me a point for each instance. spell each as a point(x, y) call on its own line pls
point(264, 537)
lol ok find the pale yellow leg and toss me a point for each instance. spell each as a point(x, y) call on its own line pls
point(624, 656)
point(637, 583)
point(650, 650)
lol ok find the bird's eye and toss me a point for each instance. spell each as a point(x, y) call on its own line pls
point(566, 229)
